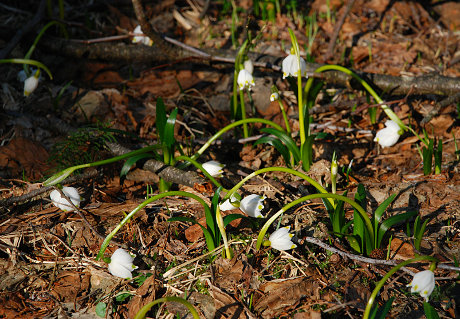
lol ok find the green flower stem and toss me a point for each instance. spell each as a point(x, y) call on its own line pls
point(238, 63)
point(380, 284)
point(109, 237)
point(229, 127)
point(243, 114)
point(220, 224)
point(59, 177)
point(283, 111)
point(34, 45)
point(28, 61)
point(385, 107)
point(313, 196)
point(143, 312)
point(295, 45)
point(200, 167)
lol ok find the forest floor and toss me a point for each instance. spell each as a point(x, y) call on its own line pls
point(48, 265)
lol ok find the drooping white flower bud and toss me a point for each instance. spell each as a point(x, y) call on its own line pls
point(248, 66)
point(281, 239)
point(245, 79)
point(252, 205)
point(214, 168)
point(290, 66)
point(141, 38)
point(121, 264)
point(389, 135)
point(31, 83)
point(62, 203)
point(423, 283)
point(274, 97)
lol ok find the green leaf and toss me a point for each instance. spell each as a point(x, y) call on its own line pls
point(231, 217)
point(101, 308)
point(286, 139)
point(354, 242)
point(378, 215)
point(160, 120)
point(389, 223)
point(130, 162)
point(338, 219)
point(381, 312)
point(419, 234)
point(430, 312)
point(123, 296)
point(280, 147)
point(306, 152)
point(59, 177)
point(169, 139)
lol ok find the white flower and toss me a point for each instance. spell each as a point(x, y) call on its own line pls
point(389, 135)
point(62, 203)
point(248, 66)
point(252, 205)
point(423, 283)
point(245, 79)
point(121, 264)
point(31, 83)
point(281, 239)
point(291, 67)
point(229, 204)
point(274, 97)
point(141, 38)
point(214, 168)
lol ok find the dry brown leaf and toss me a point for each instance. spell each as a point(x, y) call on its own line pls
point(283, 294)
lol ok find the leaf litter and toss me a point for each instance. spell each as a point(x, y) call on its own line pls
point(47, 259)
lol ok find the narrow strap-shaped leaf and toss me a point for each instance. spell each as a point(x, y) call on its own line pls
point(391, 222)
point(280, 147)
point(286, 139)
point(419, 234)
point(231, 217)
point(169, 139)
point(160, 120)
point(430, 312)
point(131, 161)
point(381, 312)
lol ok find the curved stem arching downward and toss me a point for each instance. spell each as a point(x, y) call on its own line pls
point(380, 284)
point(143, 312)
point(109, 237)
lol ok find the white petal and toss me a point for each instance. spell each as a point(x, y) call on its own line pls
point(423, 283)
point(141, 38)
point(387, 137)
point(119, 270)
point(121, 256)
point(281, 239)
point(290, 66)
point(274, 97)
point(248, 66)
point(252, 205)
point(61, 202)
point(245, 79)
point(214, 168)
point(30, 84)
point(121, 264)
point(392, 125)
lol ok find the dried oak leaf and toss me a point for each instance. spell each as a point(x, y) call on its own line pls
point(285, 293)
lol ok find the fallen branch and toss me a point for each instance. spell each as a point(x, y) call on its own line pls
point(168, 173)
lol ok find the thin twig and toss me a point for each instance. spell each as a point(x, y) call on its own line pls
point(367, 260)
point(338, 26)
